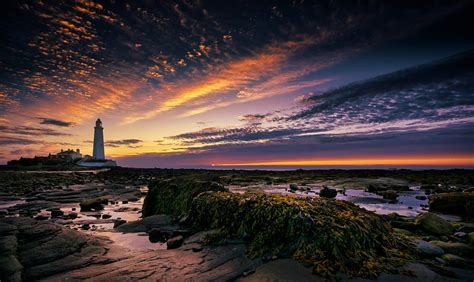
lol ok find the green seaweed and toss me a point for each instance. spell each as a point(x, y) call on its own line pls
point(174, 196)
point(329, 235)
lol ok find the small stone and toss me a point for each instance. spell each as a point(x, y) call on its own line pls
point(389, 194)
point(454, 260)
point(57, 213)
point(175, 242)
point(119, 222)
point(155, 235)
point(460, 234)
point(41, 217)
point(72, 215)
point(73, 209)
point(440, 260)
point(106, 216)
point(455, 248)
point(85, 226)
point(427, 249)
point(328, 193)
point(293, 187)
point(470, 238)
point(124, 202)
point(421, 198)
point(197, 249)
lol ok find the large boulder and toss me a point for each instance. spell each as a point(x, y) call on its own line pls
point(330, 235)
point(174, 197)
point(434, 224)
point(461, 203)
point(36, 249)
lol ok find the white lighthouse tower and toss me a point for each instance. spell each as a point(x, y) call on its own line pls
point(98, 151)
point(98, 155)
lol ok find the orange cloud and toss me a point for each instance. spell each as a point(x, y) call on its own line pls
point(232, 76)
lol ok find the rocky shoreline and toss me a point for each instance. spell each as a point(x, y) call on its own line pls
point(90, 225)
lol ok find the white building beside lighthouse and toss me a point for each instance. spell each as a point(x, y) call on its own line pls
point(98, 151)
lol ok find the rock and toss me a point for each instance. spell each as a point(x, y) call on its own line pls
point(328, 193)
point(454, 260)
point(119, 222)
point(461, 203)
point(470, 238)
point(41, 217)
point(460, 234)
point(174, 197)
point(39, 249)
point(124, 202)
point(155, 235)
point(8, 244)
point(294, 217)
point(10, 268)
point(92, 204)
point(293, 187)
point(421, 198)
point(7, 229)
point(433, 224)
point(466, 229)
point(389, 194)
point(175, 242)
point(85, 226)
point(197, 248)
point(57, 213)
point(427, 249)
point(455, 248)
point(106, 216)
point(72, 215)
point(382, 186)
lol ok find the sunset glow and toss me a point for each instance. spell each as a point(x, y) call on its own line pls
point(402, 161)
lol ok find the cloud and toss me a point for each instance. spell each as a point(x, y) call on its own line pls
point(18, 141)
point(124, 142)
point(31, 131)
point(56, 122)
point(420, 99)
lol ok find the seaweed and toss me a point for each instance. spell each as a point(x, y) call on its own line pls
point(329, 235)
point(174, 196)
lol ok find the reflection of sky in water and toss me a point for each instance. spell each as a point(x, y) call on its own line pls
point(133, 241)
point(407, 204)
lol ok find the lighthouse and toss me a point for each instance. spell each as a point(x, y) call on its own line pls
point(98, 151)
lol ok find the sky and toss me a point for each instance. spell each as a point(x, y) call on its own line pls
point(240, 83)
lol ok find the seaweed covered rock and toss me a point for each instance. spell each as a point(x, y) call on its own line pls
point(174, 196)
point(434, 224)
point(461, 203)
point(329, 235)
